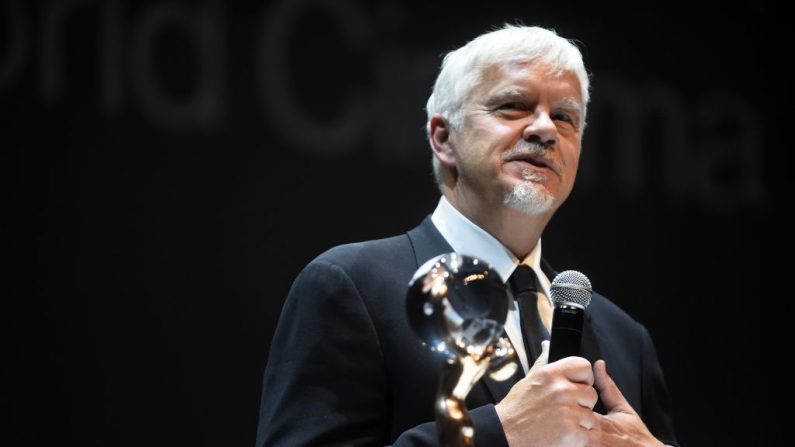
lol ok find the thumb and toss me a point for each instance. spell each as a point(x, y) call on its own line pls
point(543, 358)
point(608, 391)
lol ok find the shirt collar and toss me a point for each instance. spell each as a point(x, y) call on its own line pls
point(469, 239)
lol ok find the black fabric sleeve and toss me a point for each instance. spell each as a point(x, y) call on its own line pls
point(656, 411)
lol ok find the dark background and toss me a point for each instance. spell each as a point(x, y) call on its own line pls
point(169, 167)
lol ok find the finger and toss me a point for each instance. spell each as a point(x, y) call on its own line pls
point(543, 358)
point(587, 396)
point(608, 391)
point(576, 369)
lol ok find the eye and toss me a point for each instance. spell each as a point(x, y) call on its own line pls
point(511, 106)
point(562, 117)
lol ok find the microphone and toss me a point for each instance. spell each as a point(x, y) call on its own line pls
point(571, 293)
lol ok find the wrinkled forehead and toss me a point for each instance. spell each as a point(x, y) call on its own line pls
point(513, 75)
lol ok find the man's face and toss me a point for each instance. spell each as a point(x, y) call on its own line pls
point(519, 143)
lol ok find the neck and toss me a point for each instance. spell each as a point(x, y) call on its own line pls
point(514, 229)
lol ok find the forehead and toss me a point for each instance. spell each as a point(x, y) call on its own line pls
point(528, 78)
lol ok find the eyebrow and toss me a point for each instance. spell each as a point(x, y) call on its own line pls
point(506, 95)
point(569, 104)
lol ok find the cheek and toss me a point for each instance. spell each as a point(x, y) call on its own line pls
point(571, 156)
point(486, 142)
point(491, 131)
point(573, 163)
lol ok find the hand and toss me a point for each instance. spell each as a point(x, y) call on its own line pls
point(621, 427)
point(552, 406)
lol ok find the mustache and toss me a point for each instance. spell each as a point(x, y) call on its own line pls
point(539, 153)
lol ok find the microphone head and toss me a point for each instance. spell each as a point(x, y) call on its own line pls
point(571, 286)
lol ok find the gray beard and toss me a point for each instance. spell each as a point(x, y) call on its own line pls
point(529, 197)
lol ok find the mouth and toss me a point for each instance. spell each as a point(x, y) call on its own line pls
point(536, 161)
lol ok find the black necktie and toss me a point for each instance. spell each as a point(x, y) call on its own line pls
point(523, 284)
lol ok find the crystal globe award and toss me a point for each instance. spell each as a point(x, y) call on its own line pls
point(457, 305)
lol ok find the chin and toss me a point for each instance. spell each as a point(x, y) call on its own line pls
point(530, 198)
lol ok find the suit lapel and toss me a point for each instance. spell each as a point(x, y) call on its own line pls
point(427, 242)
point(590, 347)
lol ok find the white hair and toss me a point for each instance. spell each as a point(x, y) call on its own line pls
point(464, 69)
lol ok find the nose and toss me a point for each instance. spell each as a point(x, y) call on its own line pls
point(540, 130)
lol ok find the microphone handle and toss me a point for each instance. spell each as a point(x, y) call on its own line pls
point(566, 331)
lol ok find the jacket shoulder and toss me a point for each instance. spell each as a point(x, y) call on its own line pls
point(371, 257)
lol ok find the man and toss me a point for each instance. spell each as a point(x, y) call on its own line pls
point(505, 123)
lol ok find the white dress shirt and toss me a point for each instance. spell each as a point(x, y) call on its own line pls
point(467, 238)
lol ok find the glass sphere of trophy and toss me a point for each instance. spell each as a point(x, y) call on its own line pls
point(457, 305)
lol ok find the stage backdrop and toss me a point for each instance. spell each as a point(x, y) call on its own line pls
point(170, 166)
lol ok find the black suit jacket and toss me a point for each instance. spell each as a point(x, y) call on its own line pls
point(345, 367)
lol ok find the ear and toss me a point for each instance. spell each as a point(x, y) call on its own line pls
point(439, 136)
